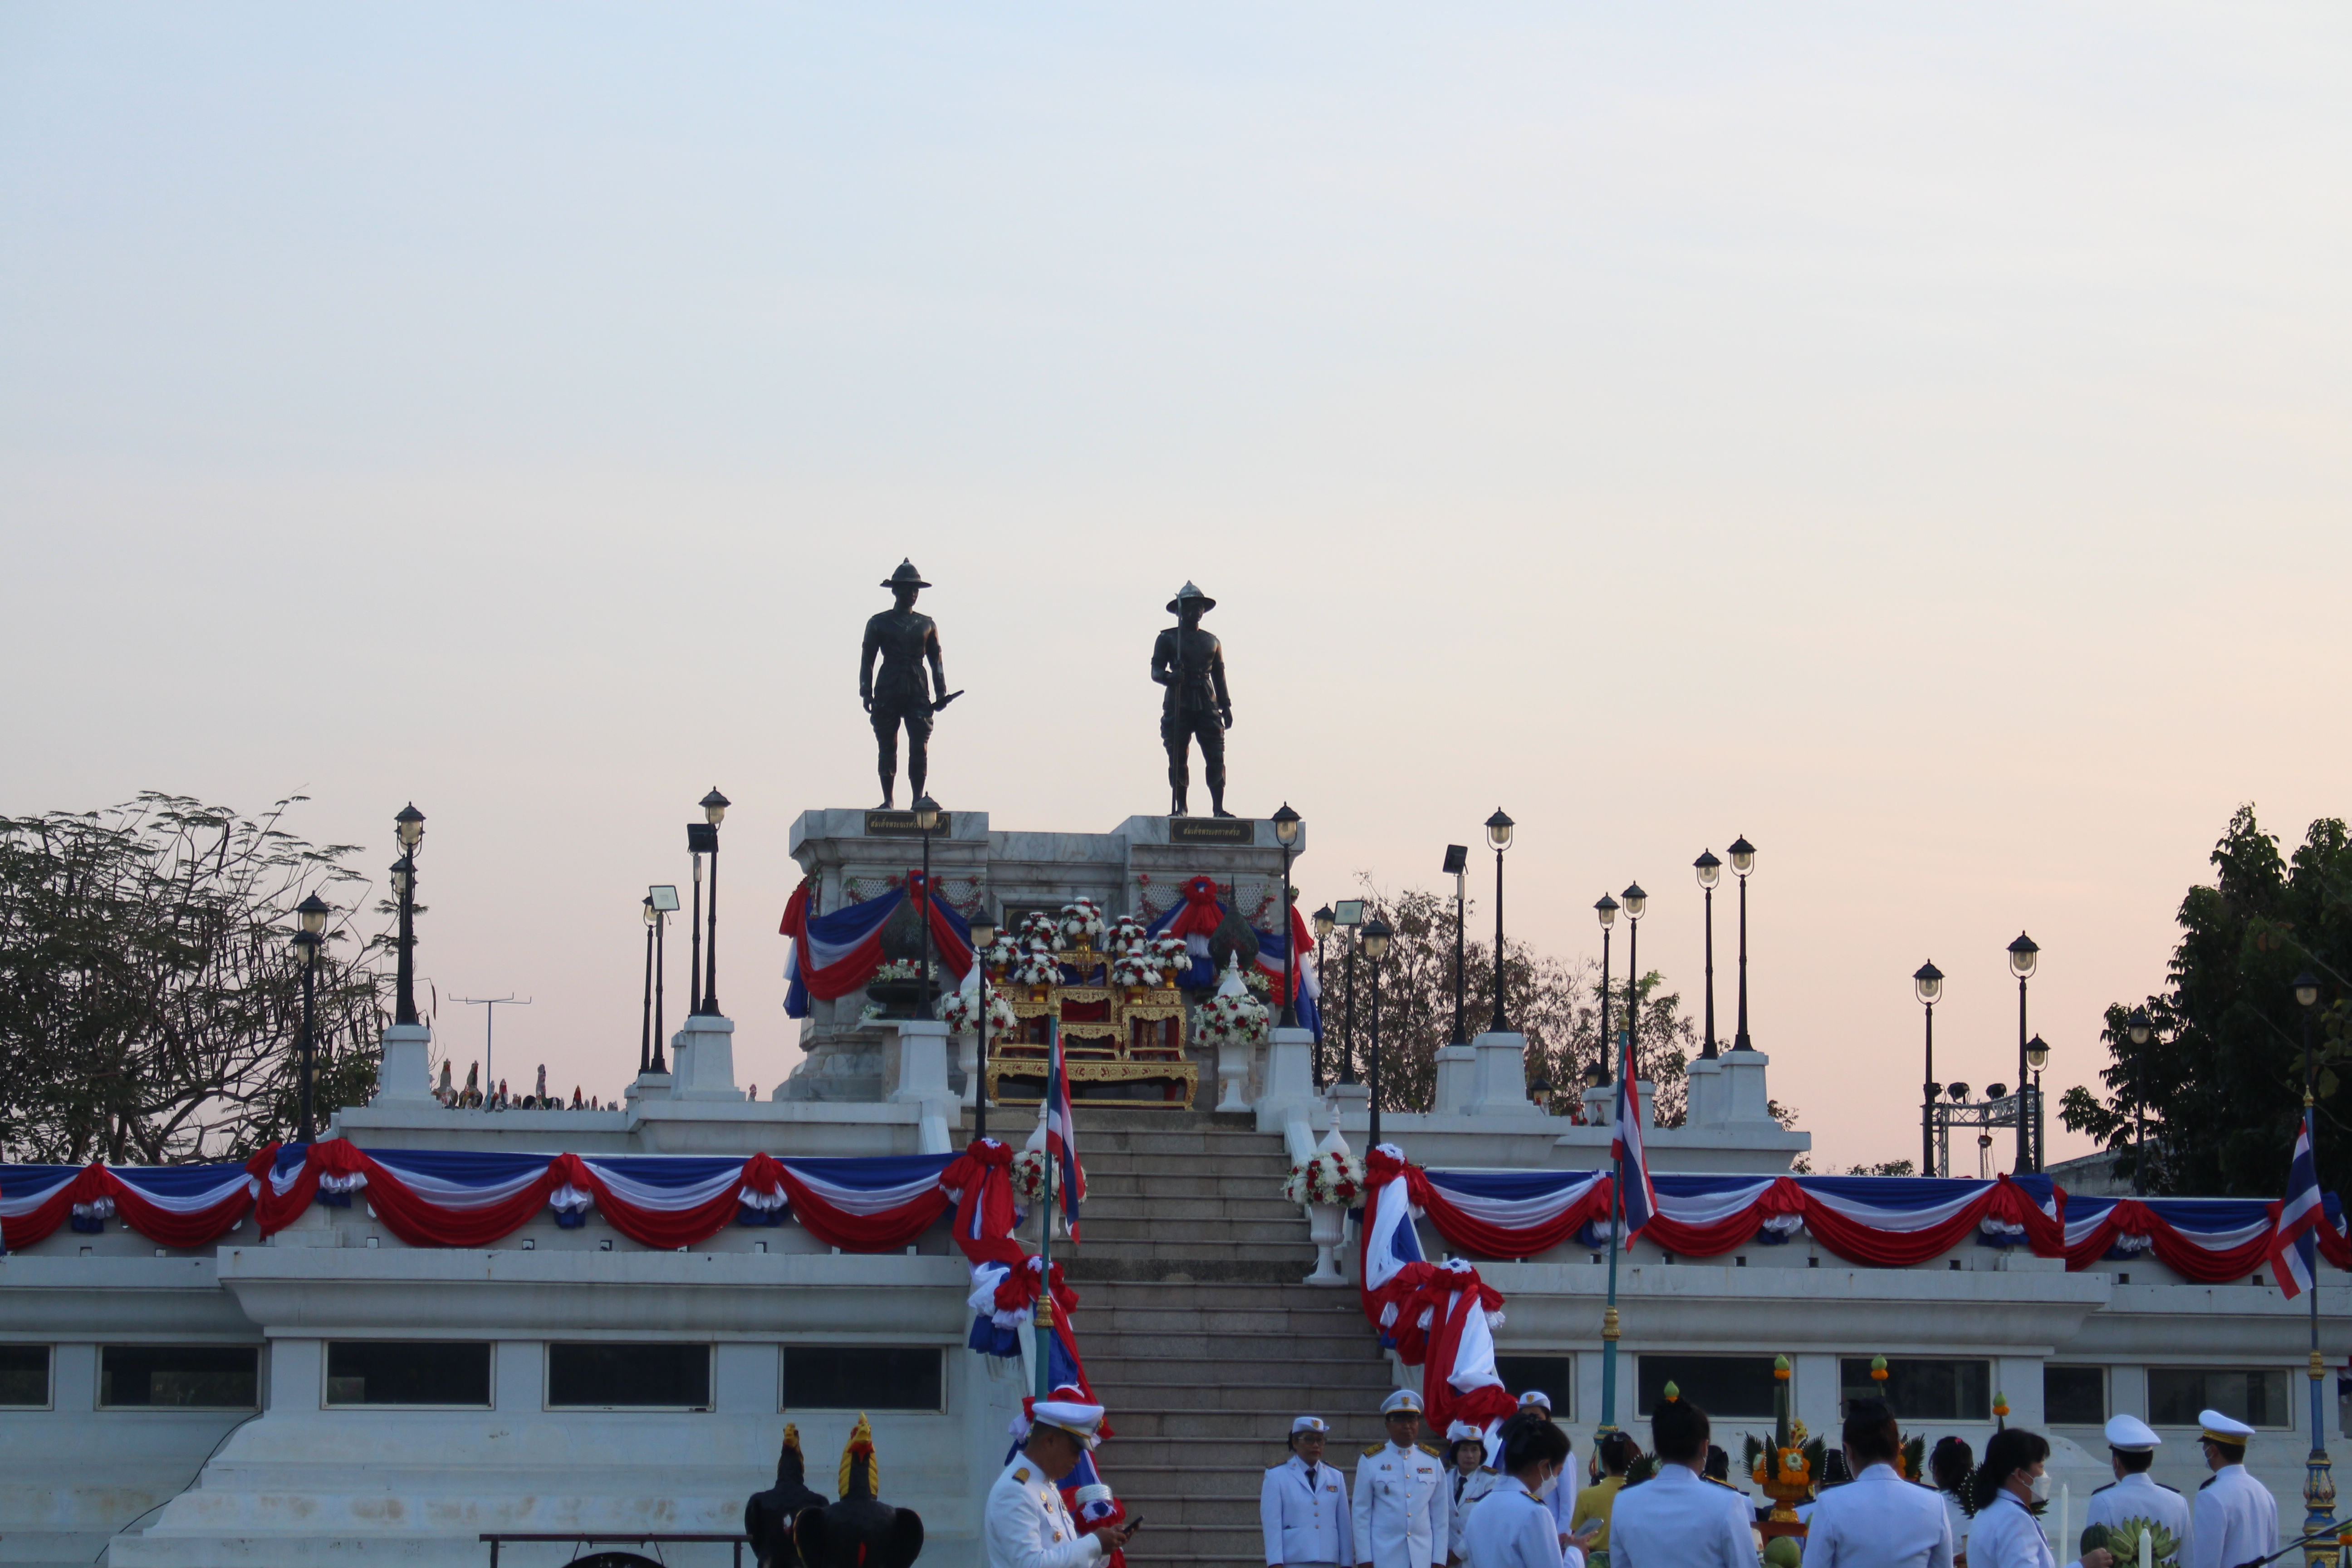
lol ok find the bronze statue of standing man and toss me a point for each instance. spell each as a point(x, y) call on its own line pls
point(906, 641)
point(1191, 663)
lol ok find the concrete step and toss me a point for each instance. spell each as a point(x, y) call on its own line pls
point(1140, 1403)
point(1264, 1415)
point(1245, 1201)
point(1184, 1183)
point(1097, 1271)
point(1213, 1234)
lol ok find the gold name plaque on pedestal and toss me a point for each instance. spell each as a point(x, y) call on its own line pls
point(901, 825)
point(1207, 830)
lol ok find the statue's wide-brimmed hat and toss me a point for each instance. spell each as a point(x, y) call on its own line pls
point(906, 576)
point(1189, 592)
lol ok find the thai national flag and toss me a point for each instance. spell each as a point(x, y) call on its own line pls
point(1060, 1138)
point(1641, 1199)
point(2294, 1245)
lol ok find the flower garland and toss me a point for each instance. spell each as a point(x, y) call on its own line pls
point(1223, 1020)
point(960, 1012)
point(1331, 1176)
point(1029, 1175)
point(899, 969)
point(1082, 923)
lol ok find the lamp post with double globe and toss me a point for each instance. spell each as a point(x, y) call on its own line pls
point(2024, 957)
point(1928, 984)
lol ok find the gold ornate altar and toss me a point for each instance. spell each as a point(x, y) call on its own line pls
point(1131, 1036)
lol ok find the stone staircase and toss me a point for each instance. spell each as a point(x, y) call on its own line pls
point(1197, 1333)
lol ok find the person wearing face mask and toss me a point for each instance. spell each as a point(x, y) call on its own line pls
point(2131, 1450)
point(2008, 1492)
point(1878, 1520)
point(1676, 1519)
point(1511, 1527)
point(2235, 1519)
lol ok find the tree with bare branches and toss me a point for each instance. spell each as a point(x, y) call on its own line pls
point(1555, 1005)
point(151, 1005)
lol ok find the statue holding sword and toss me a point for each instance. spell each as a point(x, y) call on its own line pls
point(906, 640)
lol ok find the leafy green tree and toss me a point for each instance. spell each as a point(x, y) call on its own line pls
point(2220, 1083)
point(150, 1005)
point(1555, 1005)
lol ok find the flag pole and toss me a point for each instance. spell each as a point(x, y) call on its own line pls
point(2318, 1484)
point(1045, 1217)
point(1609, 1314)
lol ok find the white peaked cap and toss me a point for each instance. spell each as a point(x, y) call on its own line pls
point(1309, 1424)
point(1537, 1398)
point(1463, 1432)
point(2224, 1428)
point(2130, 1434)
point(1078, 1420)
point(1095, 1492)
point(1403, 1399)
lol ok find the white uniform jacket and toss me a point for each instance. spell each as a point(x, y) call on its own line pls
point(2235, 1519)
point(1028, 1525)
point(1510, 1529)
point(2139, 1497)
point(1403, 1508)
point(2006, 1535)
point(1878, 1519)
point(1678, 1520)
point(1467, 1492)
point(1305, 1523)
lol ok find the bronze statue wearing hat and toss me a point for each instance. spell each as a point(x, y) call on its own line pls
point(1191, 663)
point(904, 640)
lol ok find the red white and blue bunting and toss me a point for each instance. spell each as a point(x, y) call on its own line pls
point(2208, 1241)
point(834, 955)
point(1196, 919)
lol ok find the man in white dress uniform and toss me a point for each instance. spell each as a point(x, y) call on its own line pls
point(1678, 1518)
point(1403, 1514)
point(1026, 1524)
point(1878, 1519)
point(1302, 1504)
point(2132, 1444)
point(2235, 1519)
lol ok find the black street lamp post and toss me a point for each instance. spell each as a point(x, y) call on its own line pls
point(1607, 909)
point(409, 826)
point(1499, 837)
point(1374, 935)
point(1285, 833)
point(1457, 866)
point(714, 810)
point(983, 937)
point(2037, 1057)
point(661, 902)
point(927, 816)
point(1636, 902)
point(2140, 1029)
point(1927, 983)
point(1710, 872)
point(1743, 860)
point(1324, 921)
point(2023, 955)
point(645, 1022)
point(1352, 916)
point(307, 942)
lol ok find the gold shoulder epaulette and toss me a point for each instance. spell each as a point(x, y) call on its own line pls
point(1373, 1448)
point(1431, 1449)
point(1022, 1474)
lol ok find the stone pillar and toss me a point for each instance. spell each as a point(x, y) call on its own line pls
point(702, 1058)
point(406, 1077)
point(1456, 1079)
point(1348, 1099)
point(1499, 1076)
point(923, 1079)
point(1706, 1093)
point(1743, 1097)
point(1290, 1092)
point(1600, 1104)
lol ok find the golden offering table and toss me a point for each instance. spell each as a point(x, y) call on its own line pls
point(1127, 1040)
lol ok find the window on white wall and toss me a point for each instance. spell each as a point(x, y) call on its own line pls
point(658, 1376)
point(184, 1377)
point(24, 1376)
point(2257, 1396)
point(431, 1373)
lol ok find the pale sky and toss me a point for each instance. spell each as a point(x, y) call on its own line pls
point(1913, 437)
